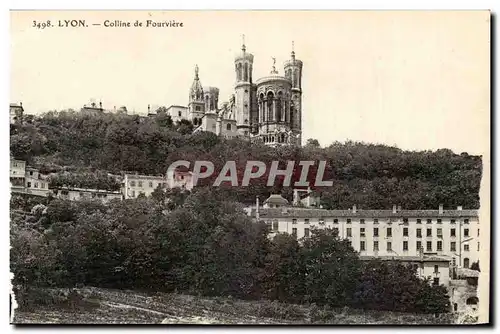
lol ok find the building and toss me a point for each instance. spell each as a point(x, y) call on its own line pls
point(463, 290)
point(397, 232)
point(434, 268)
point(177, 113)
point(268, 109)
point(16, 113)
point(17, 174)
point(27, 180)
point(36, 184)
point(78, 194)
point(134, 184)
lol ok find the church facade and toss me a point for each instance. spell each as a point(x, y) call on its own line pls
point(268, 109)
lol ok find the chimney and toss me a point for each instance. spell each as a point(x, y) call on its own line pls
point(354, 208)
point(394, 209)
point(459, 208)
point(257, 216)
point(440, 209)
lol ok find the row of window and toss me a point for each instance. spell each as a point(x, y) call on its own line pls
point(376, 221)
point(35, 185)
point(150, 183)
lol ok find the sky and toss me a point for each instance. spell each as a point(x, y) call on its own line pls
point(415, 80)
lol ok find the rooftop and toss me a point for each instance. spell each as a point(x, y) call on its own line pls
point(323, 213)
point(405, 258)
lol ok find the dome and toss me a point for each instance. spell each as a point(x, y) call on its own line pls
point(244, 56)
point(293, 62)
point(272, 78)
point(276, 200)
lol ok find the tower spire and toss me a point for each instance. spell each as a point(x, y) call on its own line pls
point(293, 50)
point(243, 47)
point(196, 70)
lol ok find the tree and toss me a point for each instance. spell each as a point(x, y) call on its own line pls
point(475, 266)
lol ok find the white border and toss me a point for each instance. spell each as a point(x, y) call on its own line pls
point(493, 5)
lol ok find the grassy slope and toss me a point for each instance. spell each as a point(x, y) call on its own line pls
point(116, 306)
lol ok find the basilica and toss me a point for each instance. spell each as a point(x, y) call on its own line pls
point(268, 109)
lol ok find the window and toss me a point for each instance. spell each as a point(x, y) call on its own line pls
point(151, 184)
point(133, 193)
point(419, 233)
point(306, 232)
point(454, 261)
point(389, 232)
point(419, 221)
point(348, 220)
point(361, 221)
point(294, 221)
point(436, 268)
point(375, 221)
point(228, 127)
point(429, 246)
point(419, 245)
point(439, 221)
point(294, 232)
point(466, 221)
point(362, 232)
point(455, 307)
point(452, 232)
point(466, 262)
point(306, 221)
point(43, 185)
point(349, 232)
point(197, 108)
point(375, 231)
point(336, 230)
point(429, 221)
point(362, 246)
point(466, 247)
point(405, 232)
point(405, 245)
point(179, 113)
point(405, 220)
point(139, 183)
point(275, 225)
point(439, 246)
point(466, 232)
point(478, 232)
point(31, 172)
point(389, 246)
point(36, 184)
point(429, 232)
point(29, 185)
point(132, 183)
point(453, 246)
point(452, 221)
point(478, 246)
point(375, 245)
point(435, 281)
point(439, 232)
point(335, 221)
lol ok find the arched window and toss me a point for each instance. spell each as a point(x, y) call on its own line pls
point(270, 99)
point(279, 110)
point(466, 262)
point(228, 126)
point(295, 78)
point(239, 72)
point(245, 72)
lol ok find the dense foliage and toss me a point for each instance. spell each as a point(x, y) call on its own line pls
point(201, 244)
point(371, 176)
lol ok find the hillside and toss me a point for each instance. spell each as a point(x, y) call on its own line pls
point(104, 306)
point(369, 175)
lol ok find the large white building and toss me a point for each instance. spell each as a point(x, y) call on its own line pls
point(268, 109)
point(397, 232)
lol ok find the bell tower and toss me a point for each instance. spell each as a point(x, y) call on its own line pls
point(243, 90)
point(293, 72)
point(196, 102)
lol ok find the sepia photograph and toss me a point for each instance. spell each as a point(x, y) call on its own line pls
point(247, 167)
